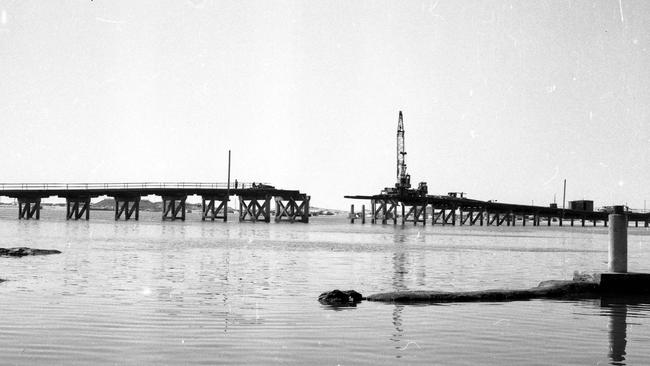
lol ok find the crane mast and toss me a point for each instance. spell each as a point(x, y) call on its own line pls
point(403, 186)
point(403, 179)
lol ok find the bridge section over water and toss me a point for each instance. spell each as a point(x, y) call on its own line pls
point(254, 199)
point(450, 210)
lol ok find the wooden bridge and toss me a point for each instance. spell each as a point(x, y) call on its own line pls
point(254, 199)
point(454, 210)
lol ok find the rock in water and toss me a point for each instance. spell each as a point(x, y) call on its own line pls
point(24, 251)
point(340, 298)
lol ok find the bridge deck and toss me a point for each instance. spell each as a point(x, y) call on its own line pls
point(254, 199)
point(466, 204)
point(44, 190)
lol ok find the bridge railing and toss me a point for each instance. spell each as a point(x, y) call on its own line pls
point(128, 185)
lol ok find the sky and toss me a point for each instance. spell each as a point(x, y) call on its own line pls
point(501, 99)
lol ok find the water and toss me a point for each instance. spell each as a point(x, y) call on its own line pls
point(195, 292)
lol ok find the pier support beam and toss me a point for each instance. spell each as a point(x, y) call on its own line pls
point(292, 208)
point(255, 208)
point(77, 207)
point(174, 207)
point(479, 217)
point(443, 217)
point(29, 208)
point(414, 213)
point(127, 205)
point(214, 207)
point(384, 209)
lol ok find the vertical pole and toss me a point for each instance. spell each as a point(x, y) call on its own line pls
point(352, 214)
point(373, 212)
point(395, 214)
point(225, 211)
point(403, 217)
point(363, 214)
point(618, 241)
point(424, 214)
point(563, 201)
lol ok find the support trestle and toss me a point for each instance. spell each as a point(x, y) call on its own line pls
point(443, 217)
point(293, 208)
point(174, 207)
point(127, 205)
point(414, 213)
point(214, 207)
point(255, 208)
point(29, 208)
point(77, 207)
point(384, 210)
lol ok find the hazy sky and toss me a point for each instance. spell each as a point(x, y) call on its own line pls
point(501, 99)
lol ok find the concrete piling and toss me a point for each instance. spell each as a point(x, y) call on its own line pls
point(618, 240)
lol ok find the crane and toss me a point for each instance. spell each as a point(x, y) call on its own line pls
point(403, 185)
point(403, 179)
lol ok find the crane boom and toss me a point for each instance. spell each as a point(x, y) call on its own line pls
point(403, 179)
point(401, 153)
point(403, 186)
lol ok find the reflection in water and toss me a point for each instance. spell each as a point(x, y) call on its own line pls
point(399, 271)
point(617, 330)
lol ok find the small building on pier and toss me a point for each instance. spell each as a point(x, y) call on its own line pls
point(582, 205)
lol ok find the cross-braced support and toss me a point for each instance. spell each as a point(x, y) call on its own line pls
point(446, 216)
point(478, 217)
point(174, 207)
point(255, 208)
point(384, 210)
point(29, 208)
point(214, 207)
point(294, 208)
point(127, 205)
point(492, 218)
point(77, 207)
point(414, 213)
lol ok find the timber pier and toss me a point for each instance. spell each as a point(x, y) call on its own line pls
point(254, 199)
point(455, 210)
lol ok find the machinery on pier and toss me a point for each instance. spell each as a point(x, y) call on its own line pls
point(403, 186)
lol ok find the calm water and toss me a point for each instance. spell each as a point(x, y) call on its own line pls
point(154, 292)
